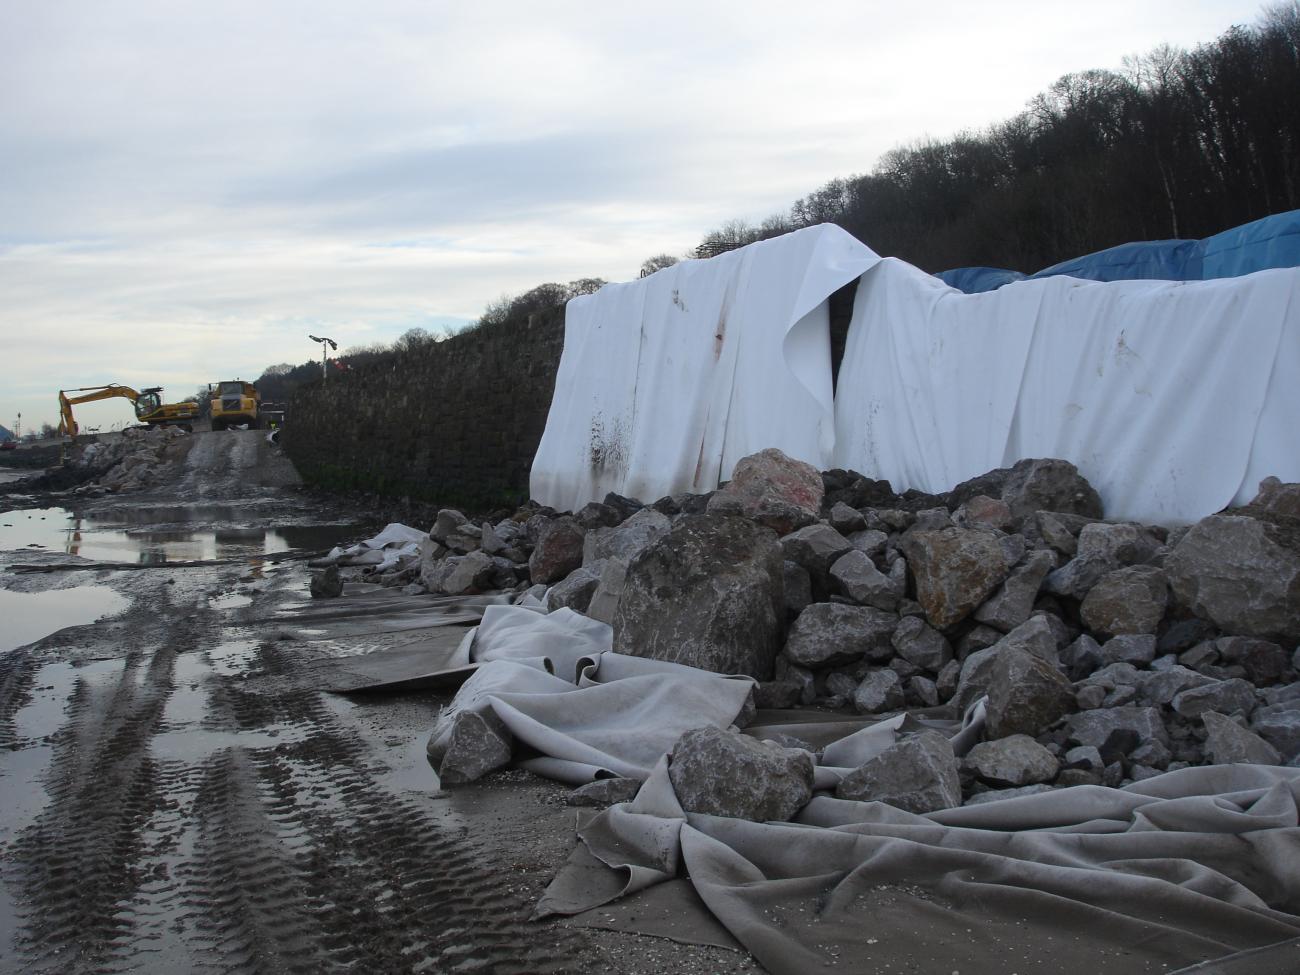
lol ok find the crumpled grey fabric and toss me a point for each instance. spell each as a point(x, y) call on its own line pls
point(1193, 865)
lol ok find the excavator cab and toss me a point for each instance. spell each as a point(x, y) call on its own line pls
point(148, 402)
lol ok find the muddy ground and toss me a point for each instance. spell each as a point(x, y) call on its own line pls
point(178, 793)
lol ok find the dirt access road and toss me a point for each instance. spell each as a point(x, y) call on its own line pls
point(178, 794)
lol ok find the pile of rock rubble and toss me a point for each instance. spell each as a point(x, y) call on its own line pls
point(135, 461)
point(1106, 652)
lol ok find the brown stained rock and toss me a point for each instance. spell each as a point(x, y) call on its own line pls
point(558, 551)
point(1026, 694)
point(721, 773)
point(709, 594)
point(1129, 600)
point(1014, 601)
point(773, 489)
point(956, 570)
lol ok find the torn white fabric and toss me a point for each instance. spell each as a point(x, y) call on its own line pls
point(1172, 398)
point(395, 544)
point(666, 382)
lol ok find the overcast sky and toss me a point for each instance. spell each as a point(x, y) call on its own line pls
point(188, 188)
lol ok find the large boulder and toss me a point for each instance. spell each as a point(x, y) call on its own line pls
point(1026, 694)
point(1012, 761)
point(1279, 725)
point(558, 551)
point(1049, 485)
point(772, 489)
point(918, 774)
point(956, 569)
point(1129, 600)
point(1102, 548)
point(1227, 742)
point(1225, 696)
point(708, 594)
point(722, 773)
point(464, 575)
point(627, 540)
point(832, 634)
point(1098, 728)
point(1241, 573)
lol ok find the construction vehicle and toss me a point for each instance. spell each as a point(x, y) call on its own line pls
point(235, 402)
point(149, 407)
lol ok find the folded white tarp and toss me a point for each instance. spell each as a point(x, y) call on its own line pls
point(1173, 398)
point(666, 382)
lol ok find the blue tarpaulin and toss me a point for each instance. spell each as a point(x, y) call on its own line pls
point(1268, 243)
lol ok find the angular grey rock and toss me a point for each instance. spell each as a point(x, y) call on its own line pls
point(447, 522)
point(841, 685)
point(708, 594)
point(576, 589)
point(1014, 601)
point(978, 638)
point(881, 690)
point(327, 584)
point(558, 550)
point(1227, 742)
point(609, 588)
point(1128, 600)
point(922, 645)
point(831, 634)
point(800, 676)
point(777, 694)
point(871, 543)
point(1026, 694)
point(1082, 656)
point(1242, 574)
point(722, 773)
point(603, 792)
point(956, 569)
point(946, 682)
point(772, 489)
point(1012, 761)
point(478, 744)
point(431, 555)
point(857, 577)
point(1131, 648)
point(626, 540)
point(1090, 697)
point(1049, 485)
point(917, 774)
point(1084, 756)
point(1102, 548)
point(465, 539)
point(1057, 535)
point(846, 520)
point(816, 548)
point(1264, 661)
point(1224, 696)
point(798, 587)
point(1279, 725)
point(464, 575)
point(1152, 754)
point(1035, 636)
point(932, 520)
point(923, 691)
point(595, 515)
point(1096, 727)
point(1163, 686)
point(1278, 498)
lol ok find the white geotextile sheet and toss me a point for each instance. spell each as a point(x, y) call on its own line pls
point(395, 543)
point(666, 382)
point(1173, 399)
point(586, 711)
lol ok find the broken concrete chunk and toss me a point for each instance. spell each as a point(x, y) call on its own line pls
point(1012, 761)
point(722, 773)
point(918, 774)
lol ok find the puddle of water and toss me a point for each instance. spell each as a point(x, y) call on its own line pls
point(230, 600)
point(187, 704)
point(28, 616)
point(195, 745)
point(61, 530)
point(232, 657)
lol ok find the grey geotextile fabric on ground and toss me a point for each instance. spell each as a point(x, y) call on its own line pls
point(1192, 865)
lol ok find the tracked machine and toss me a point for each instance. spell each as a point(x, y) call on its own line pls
point(148, 404)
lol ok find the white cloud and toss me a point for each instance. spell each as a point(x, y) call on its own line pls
point(187, 189)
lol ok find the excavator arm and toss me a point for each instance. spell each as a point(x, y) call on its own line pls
point(67, 425)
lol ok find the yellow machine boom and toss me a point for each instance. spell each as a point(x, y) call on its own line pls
point(148, 404)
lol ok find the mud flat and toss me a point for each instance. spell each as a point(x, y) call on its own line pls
point(181, 796)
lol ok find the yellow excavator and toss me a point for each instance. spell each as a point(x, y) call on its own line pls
point(149, 407)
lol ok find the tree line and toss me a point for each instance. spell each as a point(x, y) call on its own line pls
point(1175, 144)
